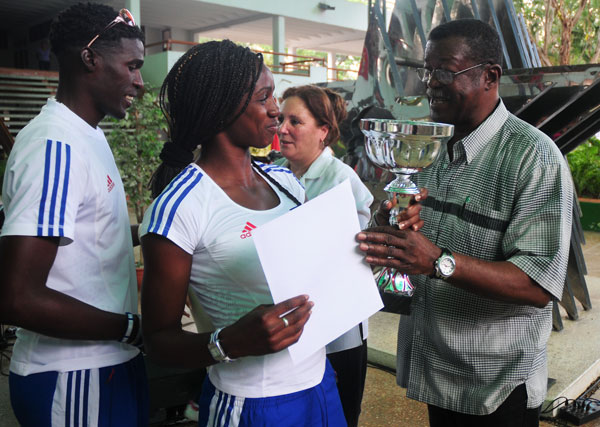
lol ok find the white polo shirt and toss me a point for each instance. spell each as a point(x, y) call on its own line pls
point(226, 276)
point(61, 180)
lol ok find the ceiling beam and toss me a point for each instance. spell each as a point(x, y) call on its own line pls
point(233, 22)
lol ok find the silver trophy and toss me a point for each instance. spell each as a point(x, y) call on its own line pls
point(403, 147)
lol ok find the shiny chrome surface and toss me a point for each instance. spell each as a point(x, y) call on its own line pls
point(404, 146)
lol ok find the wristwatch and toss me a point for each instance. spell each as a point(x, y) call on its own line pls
point(215, 349)
point(445, 265)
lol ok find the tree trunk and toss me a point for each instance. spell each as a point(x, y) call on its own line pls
point(564, 52)
point(594, 59)
point(567, 23)
point(549, 19)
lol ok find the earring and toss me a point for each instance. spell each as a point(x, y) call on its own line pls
point(322, 142)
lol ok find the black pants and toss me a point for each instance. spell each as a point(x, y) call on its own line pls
point(350, 368)
point(512, 413)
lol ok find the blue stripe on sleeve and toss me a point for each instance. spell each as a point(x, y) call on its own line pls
point(44, 188)
point(168, 196)
point(277, 169)
point(178, 202)
point(63, 203)
point(162, 195)
point(54, 189)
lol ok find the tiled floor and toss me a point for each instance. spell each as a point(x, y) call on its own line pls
point(591, 253)
point(385, 404)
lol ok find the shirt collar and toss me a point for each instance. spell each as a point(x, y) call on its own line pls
point(474, 142)
point(317, 168)
point(75, 120)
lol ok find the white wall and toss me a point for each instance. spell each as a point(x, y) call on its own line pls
point(346, 14)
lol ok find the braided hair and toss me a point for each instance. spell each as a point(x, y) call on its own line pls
point(207, 89)
point(74, 27)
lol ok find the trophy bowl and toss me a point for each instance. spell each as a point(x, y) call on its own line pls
point(403, 147)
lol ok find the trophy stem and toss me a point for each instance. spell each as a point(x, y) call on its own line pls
point(399, 199)
point(402, 184)
point(399, 193)
point(404, 148)
point(391, 280)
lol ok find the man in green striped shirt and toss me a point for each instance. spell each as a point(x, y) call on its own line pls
point(492, 255)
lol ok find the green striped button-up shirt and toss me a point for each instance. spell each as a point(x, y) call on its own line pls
point(506, 196)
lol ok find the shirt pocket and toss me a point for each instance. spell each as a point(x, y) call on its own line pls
point(481, 230)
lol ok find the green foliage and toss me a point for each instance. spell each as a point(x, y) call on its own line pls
point(584, 162)
point(136, 142)
point(541, 15)
point(350, 63)
point(595, 226)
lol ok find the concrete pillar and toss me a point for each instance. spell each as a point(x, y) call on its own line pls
point(134, 7)
point(278, 40)
point(331, 63)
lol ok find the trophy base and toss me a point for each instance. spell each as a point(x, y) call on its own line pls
point(394, 303)
point(395, 290)
point(392, 281)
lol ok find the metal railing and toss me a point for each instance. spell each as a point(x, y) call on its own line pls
point(278, 62)
point(339, 74)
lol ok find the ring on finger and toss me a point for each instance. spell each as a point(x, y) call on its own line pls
point(285, 322)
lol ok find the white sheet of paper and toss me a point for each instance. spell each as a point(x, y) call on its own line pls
point(313, 250)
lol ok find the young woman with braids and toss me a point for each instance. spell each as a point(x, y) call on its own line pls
point(198, 233)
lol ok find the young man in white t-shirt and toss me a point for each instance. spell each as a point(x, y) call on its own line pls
point(68, 278)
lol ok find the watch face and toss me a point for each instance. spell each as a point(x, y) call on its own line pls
point(447, 266)
point(214, 352)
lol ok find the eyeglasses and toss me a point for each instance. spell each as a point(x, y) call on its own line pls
point(124, 17)
point(445, 77)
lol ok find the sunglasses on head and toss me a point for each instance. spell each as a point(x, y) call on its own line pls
point(124, 17)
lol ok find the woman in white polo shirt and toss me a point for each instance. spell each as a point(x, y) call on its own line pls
point(308, 126)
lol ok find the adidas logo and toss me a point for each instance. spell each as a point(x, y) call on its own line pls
point(109, 183)
point(247, 231)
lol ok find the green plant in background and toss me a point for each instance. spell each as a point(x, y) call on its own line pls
point(584, 162)
point(136, 142)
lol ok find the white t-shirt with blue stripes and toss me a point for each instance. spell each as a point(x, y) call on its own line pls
point(227, 278)
point(61, 181)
